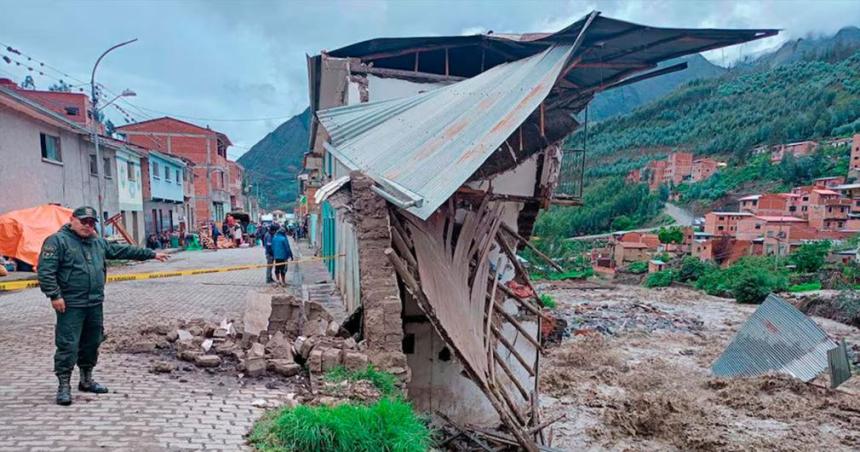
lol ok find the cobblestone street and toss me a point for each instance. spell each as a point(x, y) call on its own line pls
point(143, 411)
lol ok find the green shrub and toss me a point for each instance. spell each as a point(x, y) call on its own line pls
point(748, 280)
point(810, 257)
point(383, 381)
point(805, 287)
point(692, 268)
point(662, 278)
point(387, 425)
point(672, 234)
point(547, 301)
point(638, 267)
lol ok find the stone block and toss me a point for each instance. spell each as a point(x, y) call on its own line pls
point(307, 345)
point(189, 355)
point(208, 361)
point(349, 344)
point(354, 360)
point(220, 333)
point(182, 346)
point(141, 347)
point(330, 359)
point(172, 336)
point(254, 367)
point(195, 330)
point(279, 347)
point(165, 328)
point(315, 361)
point(225, 348)
point(257, 350)
point(284, 367)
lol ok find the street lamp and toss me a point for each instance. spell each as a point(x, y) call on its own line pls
point(125, 93)
point(95, 127)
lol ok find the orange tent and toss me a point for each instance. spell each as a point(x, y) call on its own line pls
point(22, 232)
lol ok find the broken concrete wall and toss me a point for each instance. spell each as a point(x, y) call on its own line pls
point(380, 297)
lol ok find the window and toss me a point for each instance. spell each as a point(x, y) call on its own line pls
point(155, 170)
point(132, 174)
point(108, 168)
point(721, 218)
point(50, 147)
point(758, 226)
point(94, 169)
point(792, 208)
point(178, 179)
point(806, 198)
point(720, 228)
point(72, 111)
point(223, 183)
point(167, 174)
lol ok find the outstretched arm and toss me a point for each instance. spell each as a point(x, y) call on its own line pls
point(117, 251)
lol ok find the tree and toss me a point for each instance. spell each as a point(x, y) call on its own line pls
point(110, 128)
point(671, 235)
point(692, 268)
point(810, 257)
point(28, 83)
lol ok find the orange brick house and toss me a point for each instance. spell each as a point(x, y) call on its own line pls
point(203, 146)
point(680, 167)
point(828, 211)
point(797, 149)
point(723, 223)
point(703, 168)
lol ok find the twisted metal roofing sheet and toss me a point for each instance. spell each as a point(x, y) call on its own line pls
point(776, 338)
point(431, 143)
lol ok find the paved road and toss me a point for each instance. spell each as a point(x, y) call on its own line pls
point(682, 217)
point(144, 411)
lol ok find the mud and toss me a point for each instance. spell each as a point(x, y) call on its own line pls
point(651, 389)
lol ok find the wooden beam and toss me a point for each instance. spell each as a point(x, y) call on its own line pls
point(525, 242)
point(509, 346)
point(542, 122)
point(447, 64)
point(510, 373)
point(403, 248)
point(517, 325)
point(399, 73)
point(610, 65)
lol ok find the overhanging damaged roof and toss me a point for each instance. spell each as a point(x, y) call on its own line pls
point(426, 146)
point(431, 143)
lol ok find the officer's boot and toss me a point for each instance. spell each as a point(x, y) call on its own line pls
point(87, 383)
point(64, 390)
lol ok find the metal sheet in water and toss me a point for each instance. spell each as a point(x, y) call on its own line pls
point(776, 338)
point(840, 365)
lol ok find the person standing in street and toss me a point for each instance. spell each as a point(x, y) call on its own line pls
point(215, 234)
point(72, 275)
point(282, 253)
point(267, 248)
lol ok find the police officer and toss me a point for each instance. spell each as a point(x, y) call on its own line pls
point(72, 274)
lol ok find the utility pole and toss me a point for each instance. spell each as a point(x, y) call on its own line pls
point(95, 133)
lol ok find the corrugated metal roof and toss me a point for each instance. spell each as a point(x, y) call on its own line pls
point(431, 143)
point(776, 338)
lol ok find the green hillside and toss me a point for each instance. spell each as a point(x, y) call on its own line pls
point(274, 162)
point(725, 117)
point(625, 99)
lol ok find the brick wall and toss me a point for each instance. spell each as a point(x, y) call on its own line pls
point(380, 296)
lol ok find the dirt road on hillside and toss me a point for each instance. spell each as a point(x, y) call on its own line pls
point(634, 375)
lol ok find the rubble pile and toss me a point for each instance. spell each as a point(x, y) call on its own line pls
point(610, 319)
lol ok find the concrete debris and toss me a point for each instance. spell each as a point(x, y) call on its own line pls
point(315, 361)
point(257, 350)
point(260, 403)
point(189, 355)
point(207, 344)
point(184, 335)
point(332, 329)
point(172, 336)
point(141, 347)
point(354, 360)
point(294, 317)
point(331, 359)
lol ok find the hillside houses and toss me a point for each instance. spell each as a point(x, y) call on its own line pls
point(677, 168)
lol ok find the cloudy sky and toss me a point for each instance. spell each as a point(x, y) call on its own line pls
point(239, 66)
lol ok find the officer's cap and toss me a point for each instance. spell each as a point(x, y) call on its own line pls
point(85, 212)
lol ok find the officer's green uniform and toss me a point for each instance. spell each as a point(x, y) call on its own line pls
point(73, 268)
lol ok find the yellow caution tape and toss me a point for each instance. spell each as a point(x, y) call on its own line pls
point(30, 283)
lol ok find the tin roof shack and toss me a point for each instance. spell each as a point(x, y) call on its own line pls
point(444, 185)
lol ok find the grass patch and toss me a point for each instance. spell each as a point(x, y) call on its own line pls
point(805, 287)
point(560, 276)
point(389, 425)
point(548, 301)
point(383, 381)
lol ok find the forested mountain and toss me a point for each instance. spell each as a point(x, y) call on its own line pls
point(623, 100)
point(274, 162)
point(805, 90)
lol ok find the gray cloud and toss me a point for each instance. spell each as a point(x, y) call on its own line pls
point(246, 59)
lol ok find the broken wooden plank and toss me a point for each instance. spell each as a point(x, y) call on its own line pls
point(513, 350)
point(517, 325)
point(537, 252)
point(464, 431)
point(510, 373)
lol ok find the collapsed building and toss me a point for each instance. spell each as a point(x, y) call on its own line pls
point(429, 160)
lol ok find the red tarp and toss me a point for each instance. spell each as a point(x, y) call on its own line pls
point(23, 231)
